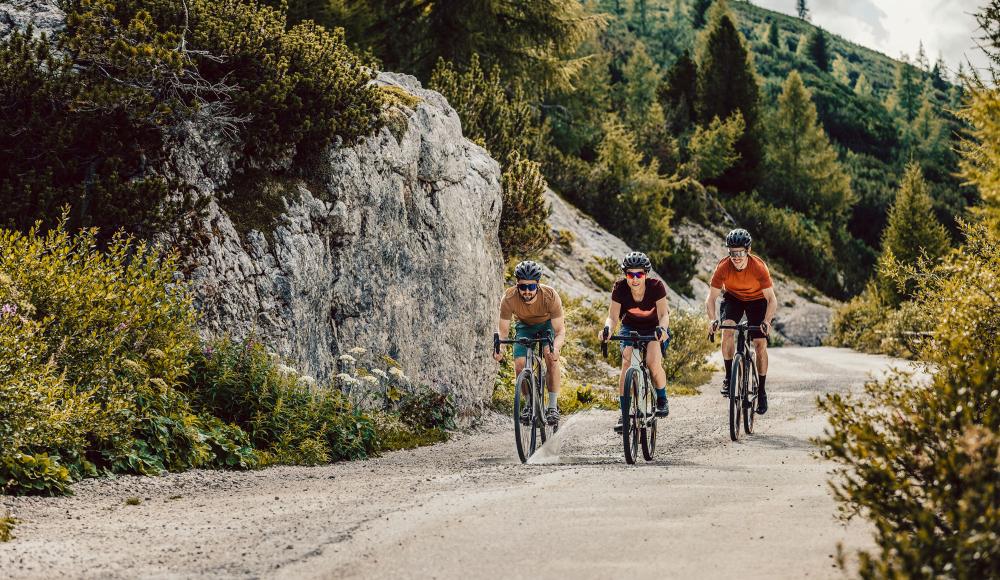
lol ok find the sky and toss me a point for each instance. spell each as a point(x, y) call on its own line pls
point(946, 27)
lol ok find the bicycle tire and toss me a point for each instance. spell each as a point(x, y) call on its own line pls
point(750, 412)
point(648, 435)
point(543, 427)
point(735, 399)
point(630, 415)
point(524, 435)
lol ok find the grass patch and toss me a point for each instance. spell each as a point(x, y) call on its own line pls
point(7, 524)
point(133, 501)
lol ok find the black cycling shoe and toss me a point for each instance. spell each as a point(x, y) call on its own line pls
point(526, 416)
point(662, 407)
point(761, 403)
point(552, 416)
point(725, 388)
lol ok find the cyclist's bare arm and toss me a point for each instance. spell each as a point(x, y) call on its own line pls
point(772, 306)
point(503, 329)
point(663, 310)
point(559, 326)
point(614, 311)
point(713, 297)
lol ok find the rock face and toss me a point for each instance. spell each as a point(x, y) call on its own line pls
point(43, 16)
point(392, 247)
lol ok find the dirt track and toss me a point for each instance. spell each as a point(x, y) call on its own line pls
point(466, 509)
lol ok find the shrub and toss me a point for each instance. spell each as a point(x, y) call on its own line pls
point(524, 228)
point(685, 360)
point(281, 415)
point(919, 456)
point(7, 524)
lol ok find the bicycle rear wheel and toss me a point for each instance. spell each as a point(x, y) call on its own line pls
point(544, 429)
point(750, 392)
point(630, 416)
point(735, 398)
point(648, 434)
point(524, 435)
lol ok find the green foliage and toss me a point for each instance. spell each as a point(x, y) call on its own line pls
point(727, 83)
point(534, 42)
point(679, 92)
point(509, 128)
point(980, 162)
point(803, 171)
point(712, 147)
point(816, 49)
point(524, 228)
point(772, 34)
point(281, 414)
point(103, 108)
point(919, 455)
point(912, 233)
point(428, 409)
point(685, 360)
point(904, 100)
point(599, 276)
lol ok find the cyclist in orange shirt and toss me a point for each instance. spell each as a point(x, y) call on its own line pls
point(744, 282)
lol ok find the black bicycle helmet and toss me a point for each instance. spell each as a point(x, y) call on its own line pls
point(738, 238)
point(528, 270)
point(634, 260)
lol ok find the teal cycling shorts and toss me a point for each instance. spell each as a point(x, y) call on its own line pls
point(522, 330)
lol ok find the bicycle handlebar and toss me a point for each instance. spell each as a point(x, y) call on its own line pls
point(711, 335)
point(521, 340)
point(630, 337)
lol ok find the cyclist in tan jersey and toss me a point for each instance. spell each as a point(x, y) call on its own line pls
point(538, 309)
point(745, 284)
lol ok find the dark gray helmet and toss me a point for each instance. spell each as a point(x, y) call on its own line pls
point(738, 238)
point(634, 260)
point(528, 270)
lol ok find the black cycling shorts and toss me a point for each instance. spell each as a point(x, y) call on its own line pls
point(732, 308)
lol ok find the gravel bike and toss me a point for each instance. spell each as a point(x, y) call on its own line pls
point(742, 380)
point(529, 393)
point(639, 403)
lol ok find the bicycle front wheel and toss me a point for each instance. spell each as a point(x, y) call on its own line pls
point(631, 416)
point(735, 399)
point(524, 401)
point(648, 434)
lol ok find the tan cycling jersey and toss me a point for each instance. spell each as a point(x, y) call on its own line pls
point(546, 306)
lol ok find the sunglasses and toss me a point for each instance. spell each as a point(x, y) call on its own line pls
point(527, 287)
point(738, 253)
point(635, 275)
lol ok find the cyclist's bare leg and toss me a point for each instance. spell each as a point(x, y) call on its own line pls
point(728, 341)
point(626, 364)
point(654, 358)
point(519, 363)
point(760, 345)
point(552, 375)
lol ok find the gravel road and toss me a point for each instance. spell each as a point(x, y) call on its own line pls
point(706, 508)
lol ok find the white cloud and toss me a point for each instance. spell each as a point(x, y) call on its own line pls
point(894, 27)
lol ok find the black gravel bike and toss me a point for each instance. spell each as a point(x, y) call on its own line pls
point(639, 404)
point(742, 380)
point(529, 393)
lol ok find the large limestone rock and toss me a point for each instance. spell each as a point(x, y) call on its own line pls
point(42, 16)
point(391, 246)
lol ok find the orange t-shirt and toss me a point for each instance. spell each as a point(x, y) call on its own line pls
point(746, 284)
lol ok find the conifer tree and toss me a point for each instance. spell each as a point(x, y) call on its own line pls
point(921, 60)
point(727, 83)
point(772, 34)
point(700, 14)
point(912, 232)
point(802, 9)
point(802, 168)
point(678, 93)
point(640, 80)
point(937, 74)
point(816, 48)
point(904, 99)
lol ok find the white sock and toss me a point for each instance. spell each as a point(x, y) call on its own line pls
point(552, 400)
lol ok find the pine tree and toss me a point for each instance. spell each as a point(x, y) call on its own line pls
point(921, 60)
point(678, 93)
point(802, 9)
point(862, 87)
point(640, 80)
point(904, 99)
point(772, 34)
point(727, 83)
point(816, 48)
point(928, 132)
point(937, 74)
point(802, 168)
point(980, 162)
point(912, 232)
point(700, 14)
point(841, 72)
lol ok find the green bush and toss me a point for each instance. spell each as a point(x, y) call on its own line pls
point(7, 524)
point(685, 359)
point(282, 414)
point(919, 456)
point(126, 74)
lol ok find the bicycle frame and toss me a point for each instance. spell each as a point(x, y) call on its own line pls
point(535, 368)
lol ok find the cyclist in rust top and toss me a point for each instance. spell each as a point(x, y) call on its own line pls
point(744, 282)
